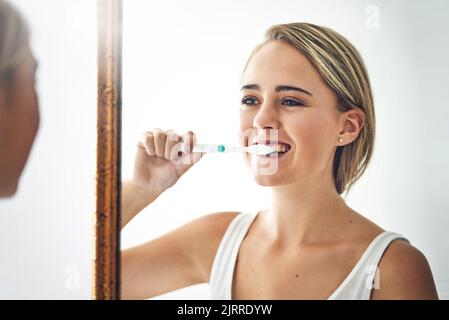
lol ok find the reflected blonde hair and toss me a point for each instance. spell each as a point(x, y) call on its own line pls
point(343, 70)
point(14, 36)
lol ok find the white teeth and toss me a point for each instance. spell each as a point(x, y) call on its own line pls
point(279, 147)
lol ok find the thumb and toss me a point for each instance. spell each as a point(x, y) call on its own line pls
point(188, 160)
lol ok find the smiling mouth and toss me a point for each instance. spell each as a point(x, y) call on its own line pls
point(281, 149)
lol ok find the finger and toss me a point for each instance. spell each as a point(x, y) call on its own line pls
point(189, 140)
point(147, 142)
point(159, 142)
point(196, 156)
point(189, 160)
point(171, 152)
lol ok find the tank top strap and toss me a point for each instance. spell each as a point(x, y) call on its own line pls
point(224, 261)
point(364, 276)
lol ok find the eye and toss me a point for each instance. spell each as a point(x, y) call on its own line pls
point(292, 102)
point(247, 100)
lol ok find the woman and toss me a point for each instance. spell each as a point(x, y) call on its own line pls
point(308, 85)
point(19, 114)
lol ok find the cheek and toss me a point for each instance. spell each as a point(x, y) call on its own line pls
point(34, 102)
point(28, 120)
point(30, 113)
point(246, 120)
point(246, 133)
point(312, 137)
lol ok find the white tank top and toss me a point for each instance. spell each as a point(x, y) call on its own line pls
point(356, 286)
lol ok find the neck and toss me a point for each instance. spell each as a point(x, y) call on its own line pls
point(304, 212)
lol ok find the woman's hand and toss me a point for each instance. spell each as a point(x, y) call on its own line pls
point(159, 161)
point(158, 165)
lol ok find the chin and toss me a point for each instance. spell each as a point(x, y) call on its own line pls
point(268, 176)
point(277, 180)
point(267, 181)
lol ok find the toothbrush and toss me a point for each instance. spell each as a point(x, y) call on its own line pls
point(256, 149)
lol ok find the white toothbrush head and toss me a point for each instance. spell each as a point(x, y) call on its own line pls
point(260, 149)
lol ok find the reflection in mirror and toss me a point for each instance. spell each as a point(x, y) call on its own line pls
point(211, 224)
point(47, 148)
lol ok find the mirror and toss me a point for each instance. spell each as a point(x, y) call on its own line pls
point(182, 68)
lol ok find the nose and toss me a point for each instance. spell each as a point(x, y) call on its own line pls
point(266, 118)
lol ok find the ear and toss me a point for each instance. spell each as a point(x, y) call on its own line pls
point(352, 122)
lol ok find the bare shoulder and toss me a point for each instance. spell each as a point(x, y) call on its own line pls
point(361, 225)
point(216, 221)
point(207, 232)
point(404, 273)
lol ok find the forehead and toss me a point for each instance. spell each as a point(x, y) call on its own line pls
point(279, 62)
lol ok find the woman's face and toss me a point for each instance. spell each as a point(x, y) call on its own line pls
point(19, 122)
point(306, 118)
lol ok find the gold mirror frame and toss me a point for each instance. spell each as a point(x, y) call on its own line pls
point(106, 273)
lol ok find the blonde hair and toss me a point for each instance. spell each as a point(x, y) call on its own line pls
point(343, 70)
point(14, 36)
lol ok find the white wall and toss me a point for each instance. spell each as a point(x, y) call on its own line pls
point(182, 62)
point(46, 230)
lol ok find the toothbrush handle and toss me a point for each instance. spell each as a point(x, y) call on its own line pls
point(223, 148)
point(231, 148)
point(204, 147)
point(201, 147)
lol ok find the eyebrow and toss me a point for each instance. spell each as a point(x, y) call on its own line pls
point(278, 88)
